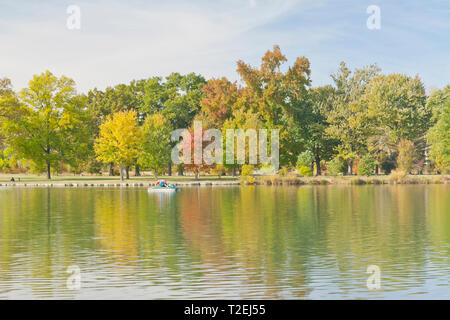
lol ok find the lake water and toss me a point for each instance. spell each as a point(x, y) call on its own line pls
point(225, 242)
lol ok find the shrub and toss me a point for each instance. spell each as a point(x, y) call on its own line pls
point(247, 170)
point(367, 165)
point(246, 180)
point(406, 155)
point(305, 159)
point(218, 170)
point(336, 166)
point(305, 171)
point(283, 171)
point(441, 164)
point(397, 175)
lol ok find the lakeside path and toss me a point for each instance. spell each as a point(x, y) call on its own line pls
point(107, 181)
point(146, 181)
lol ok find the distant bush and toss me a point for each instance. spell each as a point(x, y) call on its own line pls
point(283, 171)
point(336, 166)
point(397, 176)
point(247, 180)
point(406, 155)
point(367, 165)
point(305, 171)
point(305, 159)
point(441, 164)
point(218, 170)
point(247, 170)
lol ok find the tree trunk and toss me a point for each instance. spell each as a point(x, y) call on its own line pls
point(377, 168)
point(48, 171)
point(137, 172)
point(111, 169)
point(121, 172)
point(197, 175)
point(155, 173)
point(127, 170)
point(234, 171)
point(318, 169)
point(169, 171)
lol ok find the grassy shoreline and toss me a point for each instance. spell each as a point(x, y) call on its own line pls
point(90, 181)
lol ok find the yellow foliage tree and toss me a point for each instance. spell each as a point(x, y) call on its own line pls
point(119, 139)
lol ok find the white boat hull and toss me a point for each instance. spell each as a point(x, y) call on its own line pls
point(165, 190)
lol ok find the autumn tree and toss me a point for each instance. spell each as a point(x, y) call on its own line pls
point(119, 140)
point(278, 97)
point(193, 146)
point(220, 98)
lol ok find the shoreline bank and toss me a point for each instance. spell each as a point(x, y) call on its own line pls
point(73, 182)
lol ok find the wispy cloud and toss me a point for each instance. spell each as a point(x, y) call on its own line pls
point(124, 40)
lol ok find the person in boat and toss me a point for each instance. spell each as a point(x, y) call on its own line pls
point(162, 184)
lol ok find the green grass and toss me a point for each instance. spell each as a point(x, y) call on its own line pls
point(28, 178)
point(270, 180)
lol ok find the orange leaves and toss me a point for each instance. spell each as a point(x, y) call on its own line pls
point(220, 97)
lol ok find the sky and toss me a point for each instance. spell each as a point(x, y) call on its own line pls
point(119, 41)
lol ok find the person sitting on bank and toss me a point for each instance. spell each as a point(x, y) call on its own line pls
point(12, 179)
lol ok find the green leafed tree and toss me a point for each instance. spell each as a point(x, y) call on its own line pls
point(315, 123)
point(439, 135)
point(156, 146)
point(348, 119)
point(367, 165)
point(41, 119)
point(396, 102)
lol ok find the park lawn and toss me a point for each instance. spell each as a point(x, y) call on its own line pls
point(276, 180)
point(98, 179)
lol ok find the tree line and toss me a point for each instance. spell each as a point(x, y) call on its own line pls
point(364, 122)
